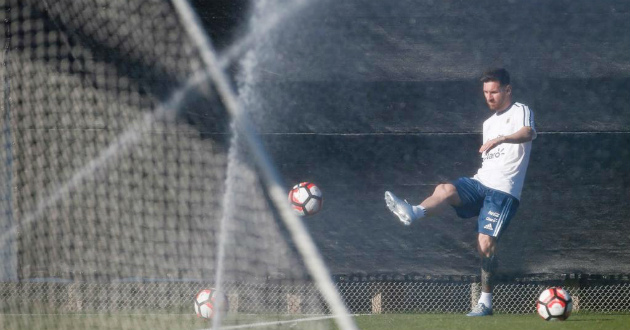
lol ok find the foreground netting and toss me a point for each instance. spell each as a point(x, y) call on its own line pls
point(126, 189)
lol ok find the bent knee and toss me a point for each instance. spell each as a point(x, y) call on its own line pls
point(485, 251)
point(486, 245)
point(447, 191)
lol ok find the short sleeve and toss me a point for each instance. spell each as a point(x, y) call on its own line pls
point(527, 118)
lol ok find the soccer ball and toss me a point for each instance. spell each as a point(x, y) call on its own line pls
point(305, 199)
point(554, 304)
point(208, 302)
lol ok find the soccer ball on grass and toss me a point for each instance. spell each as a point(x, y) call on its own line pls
point(306, 199)
point(209, 302)
point(554, 304)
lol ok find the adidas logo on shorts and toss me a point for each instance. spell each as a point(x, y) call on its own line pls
point(488, 226)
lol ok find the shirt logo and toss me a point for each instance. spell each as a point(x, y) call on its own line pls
point(494, 153)
point(488, 226)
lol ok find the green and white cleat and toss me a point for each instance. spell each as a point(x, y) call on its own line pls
point(400, 208)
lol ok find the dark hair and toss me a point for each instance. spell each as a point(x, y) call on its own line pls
point(499, 74)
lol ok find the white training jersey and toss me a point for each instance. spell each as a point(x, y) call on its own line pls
point(503, 167)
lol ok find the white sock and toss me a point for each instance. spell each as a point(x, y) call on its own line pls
point(486, 299)
point(418, 212)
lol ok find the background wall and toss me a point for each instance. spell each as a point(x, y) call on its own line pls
point(367, 96)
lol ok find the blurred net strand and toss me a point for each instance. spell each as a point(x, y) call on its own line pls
point(7, 244)
point(223, 229)
point(304, 244)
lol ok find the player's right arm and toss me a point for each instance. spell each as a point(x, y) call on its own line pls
point(526, 133)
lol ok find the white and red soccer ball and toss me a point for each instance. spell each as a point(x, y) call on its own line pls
point(554, 304)
point(306, 198)
point(209, 302)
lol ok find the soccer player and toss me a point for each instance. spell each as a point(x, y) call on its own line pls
point(493, 194)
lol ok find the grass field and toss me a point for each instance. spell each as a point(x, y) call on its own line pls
point(590, 321)
point(496, 322)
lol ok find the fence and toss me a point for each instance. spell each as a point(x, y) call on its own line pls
point(362, 295)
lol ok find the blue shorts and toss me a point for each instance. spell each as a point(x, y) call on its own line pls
point(494, 208)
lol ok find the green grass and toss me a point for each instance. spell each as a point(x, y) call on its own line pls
point(140, 321)
point(497, 322)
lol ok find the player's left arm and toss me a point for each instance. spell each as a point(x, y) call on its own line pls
point(525, 134)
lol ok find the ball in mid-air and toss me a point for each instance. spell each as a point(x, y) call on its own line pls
point(306, 199)
point(554, 304)
point(208, 302)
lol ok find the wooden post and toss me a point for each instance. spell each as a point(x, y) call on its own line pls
point(576, 303)
point(377, 301)
point(75, 299)
point(233, 302)
point(294, 303)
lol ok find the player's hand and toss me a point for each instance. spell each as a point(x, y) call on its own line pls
point(491, 144)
